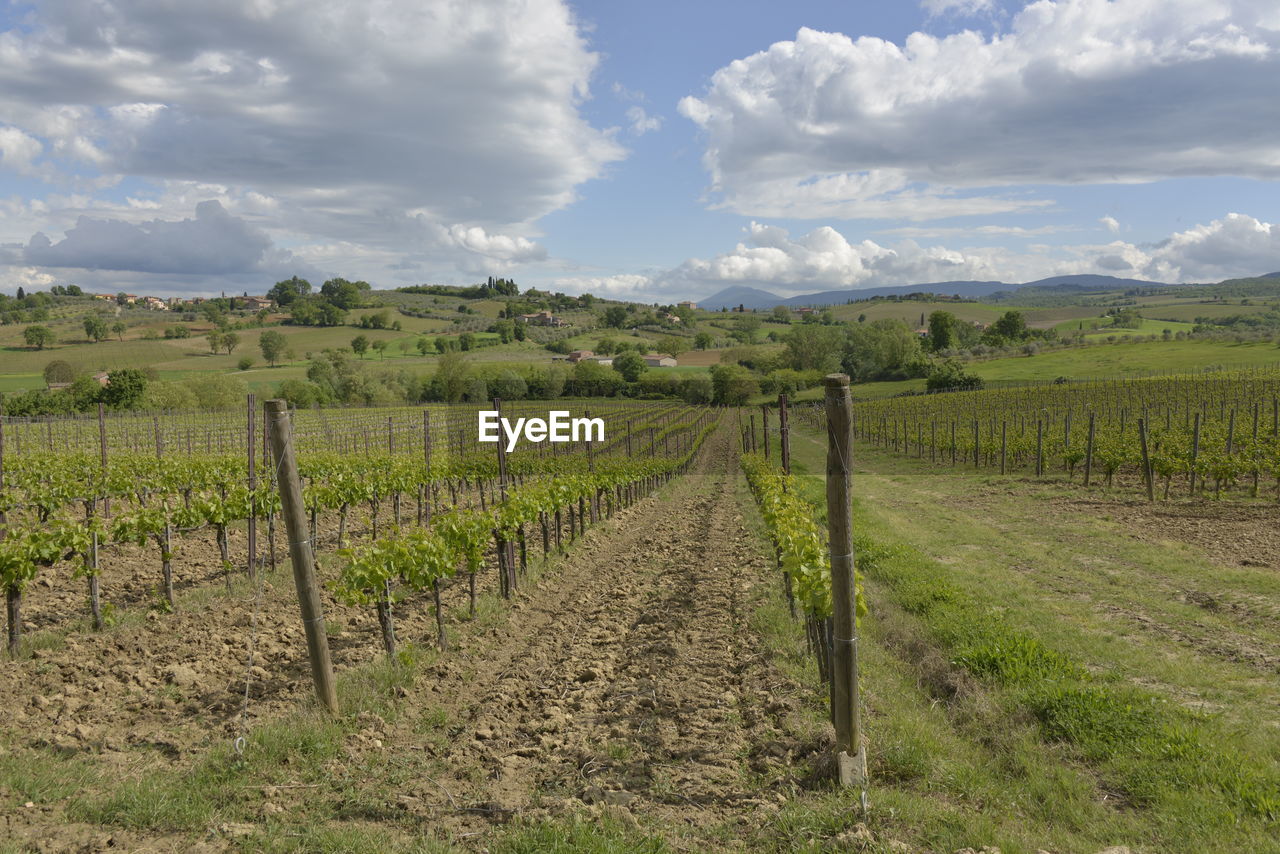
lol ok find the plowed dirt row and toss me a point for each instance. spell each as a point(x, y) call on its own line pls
point(631, 681)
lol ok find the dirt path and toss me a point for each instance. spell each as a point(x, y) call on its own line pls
point(630, 678)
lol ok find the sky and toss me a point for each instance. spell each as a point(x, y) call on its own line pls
point(653, 151)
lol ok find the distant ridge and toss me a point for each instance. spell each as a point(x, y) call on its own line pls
point(749, 297)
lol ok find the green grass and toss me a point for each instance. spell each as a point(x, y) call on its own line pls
point(909, 311)
point(1121, 359)
point(599, 836)
point(996, 618)
point(1097, 327)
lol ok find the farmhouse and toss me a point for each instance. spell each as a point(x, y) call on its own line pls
point(543, 318)
point(579, 355)
point(689, 304)
point(255, 303)
point(657, 360)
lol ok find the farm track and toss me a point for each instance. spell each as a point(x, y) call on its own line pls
point(630, 679)
point(625, 675)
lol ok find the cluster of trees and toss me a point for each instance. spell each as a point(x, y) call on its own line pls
point(379, 320)
point(124, 390)
point(96, 328)
point(329, 307)
point(633, 315)
point(220, 340)
point(492, 288)
point(334, 377)
point(35, 307)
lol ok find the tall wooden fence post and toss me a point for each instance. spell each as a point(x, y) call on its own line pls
point(300, 552)
point(250, 413)
point(784, 432)
point(102, 448)
point(764, 427)
point(846, 714)
point(1146, 460)
point(1088, 452)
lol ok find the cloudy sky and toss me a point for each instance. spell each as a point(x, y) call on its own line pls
point(654, 150)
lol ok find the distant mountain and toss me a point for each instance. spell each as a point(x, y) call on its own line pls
point(740, 295)
point(964, 289)
point(756, 298)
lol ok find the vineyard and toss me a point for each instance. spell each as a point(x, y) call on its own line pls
point(1211, 434)
point(62, 510)
point(656, 640)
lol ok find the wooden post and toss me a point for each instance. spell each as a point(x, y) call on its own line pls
point(505, 568)
point(1039, 447)
point(846, 714)
point(250, 413)
point(1146, 460)
point(764, 427)
point(1088, 452)
point(1195, 452)
point(301, 552)
point(102, 448)
point(784, 432)
point(1254, 449)
point(1003, 428)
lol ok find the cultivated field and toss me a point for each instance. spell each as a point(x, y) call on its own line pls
point(625, 644)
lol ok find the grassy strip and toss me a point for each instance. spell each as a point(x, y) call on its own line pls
point(1157, 754)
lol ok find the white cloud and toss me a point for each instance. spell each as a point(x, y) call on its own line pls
point(914, 231)
point(1112, 224)
point(1075, 91)
point(825, 259)
point(642, 122)
point(18, 150)
point(1236, 245)
point(401, 126)
point(938, 8)
point(630, 286)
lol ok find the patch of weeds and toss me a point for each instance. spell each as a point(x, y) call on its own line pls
point(286, 839)
point(601, 836)
point(998, 652)
point(376, 686)
point(1097, 720)
point(431, 720)
point(43, 776)
point(170, 692)
point(619, 751)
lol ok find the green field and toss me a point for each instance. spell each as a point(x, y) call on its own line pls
point(1098, 327)
point(909, 311)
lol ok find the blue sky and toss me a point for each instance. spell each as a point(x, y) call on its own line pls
point(653, 151)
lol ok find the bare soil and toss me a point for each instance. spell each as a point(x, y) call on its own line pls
point(633, 683)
